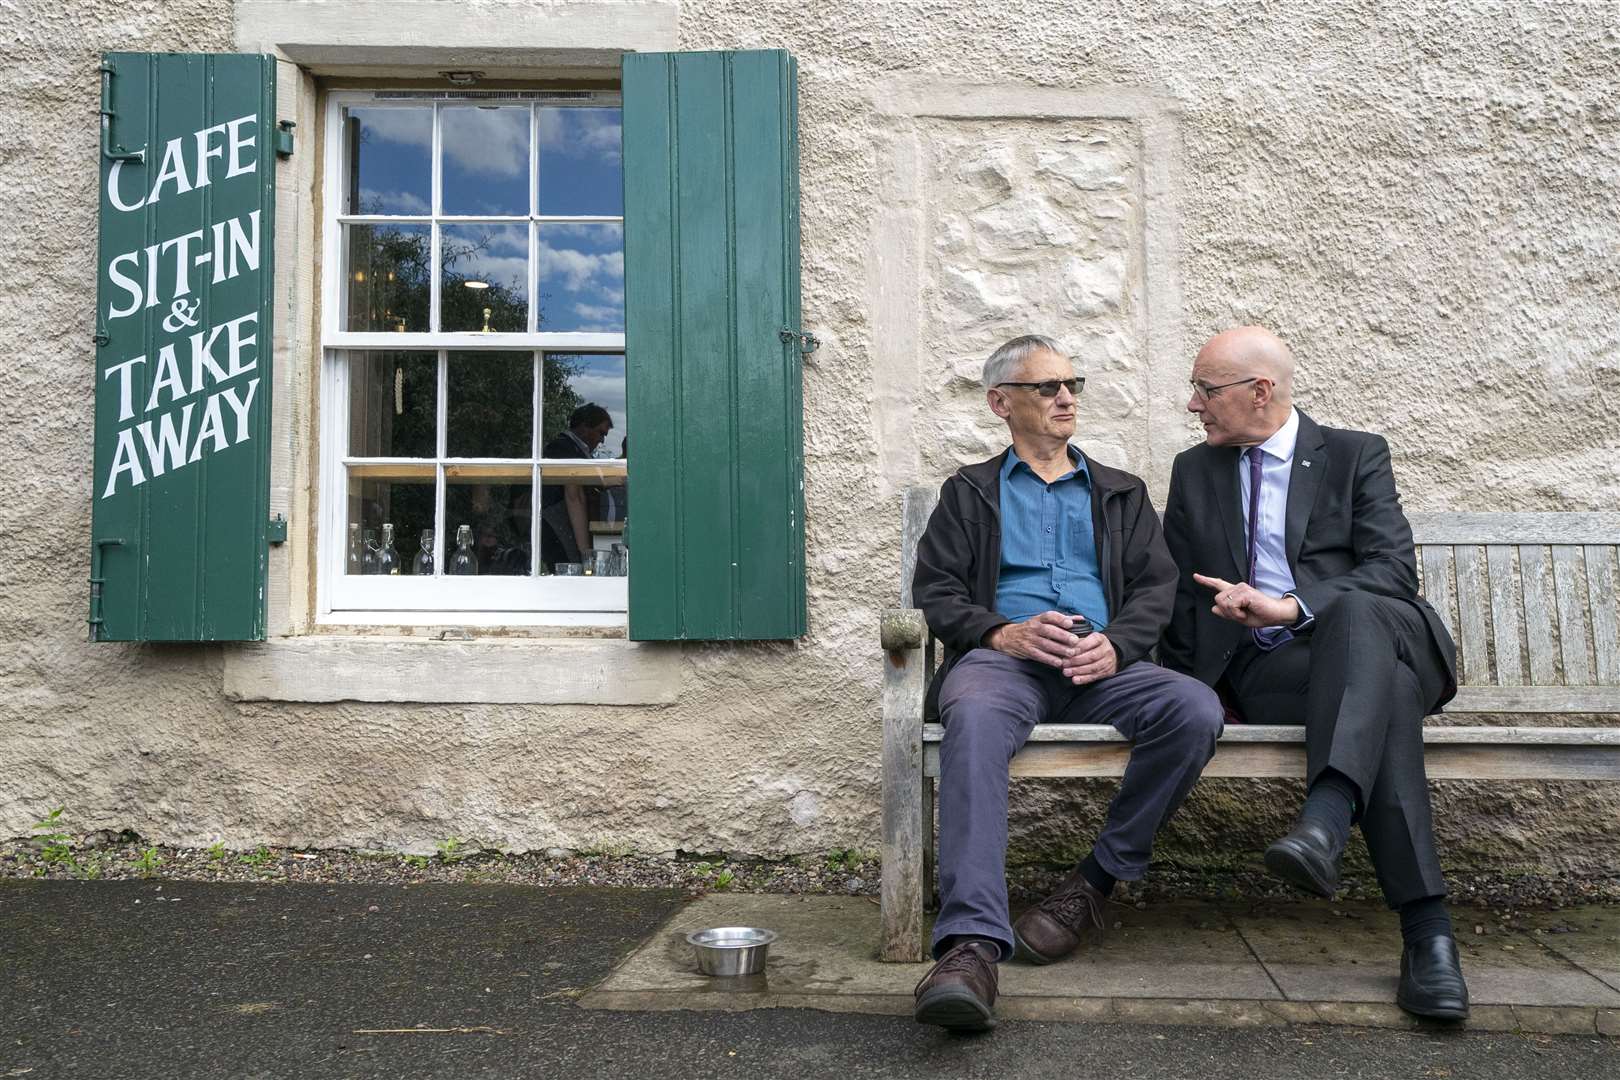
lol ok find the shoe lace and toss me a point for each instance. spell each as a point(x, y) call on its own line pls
point(963, 959)
point(1076, 906)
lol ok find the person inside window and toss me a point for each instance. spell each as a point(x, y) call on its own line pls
point(565, 535)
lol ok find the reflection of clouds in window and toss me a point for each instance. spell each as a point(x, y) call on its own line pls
point(498, 255)
point(581, 133)
point(596, 317)
point(396, 202)
point(577, 268)
point(594, 233)
point(493, 142)
point(412, 127)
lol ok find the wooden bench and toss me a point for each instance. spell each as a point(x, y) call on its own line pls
point(1530, 598)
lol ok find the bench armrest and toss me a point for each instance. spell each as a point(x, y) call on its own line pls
point(903, 628)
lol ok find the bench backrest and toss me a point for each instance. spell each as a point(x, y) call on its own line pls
point(1533, 600)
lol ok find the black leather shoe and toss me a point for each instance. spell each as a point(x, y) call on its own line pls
point(1307, 857)
point(1431, 979)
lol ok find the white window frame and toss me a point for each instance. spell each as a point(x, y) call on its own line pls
point(405, 600)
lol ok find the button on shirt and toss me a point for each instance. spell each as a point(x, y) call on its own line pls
point(1272, 574)
point(1048, 553)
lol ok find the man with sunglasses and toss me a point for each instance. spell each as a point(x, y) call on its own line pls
point(1298, 596)
point(1046, 577)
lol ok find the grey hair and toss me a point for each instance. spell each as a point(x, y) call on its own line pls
point(1006, 359)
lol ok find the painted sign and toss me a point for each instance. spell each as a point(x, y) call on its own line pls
point(182, 410)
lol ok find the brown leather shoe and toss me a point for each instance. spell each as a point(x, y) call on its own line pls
point(959, 992)
point(1052, 929)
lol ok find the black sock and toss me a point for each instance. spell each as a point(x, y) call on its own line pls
point(1424, 918)
point(1331, 803)
point(951, 941)
point(1100, 879)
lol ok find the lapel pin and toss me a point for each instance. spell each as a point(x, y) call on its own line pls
point(1305, 464)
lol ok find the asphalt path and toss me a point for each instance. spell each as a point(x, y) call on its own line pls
point(138, 980)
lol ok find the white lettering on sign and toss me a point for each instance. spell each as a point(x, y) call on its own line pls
point(172, 167)
point(204, 379)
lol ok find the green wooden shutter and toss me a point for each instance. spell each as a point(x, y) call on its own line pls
point(711, 218)
point(182, 413)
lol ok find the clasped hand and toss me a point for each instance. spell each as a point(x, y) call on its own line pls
point(1243, 603)
point(1046, 638)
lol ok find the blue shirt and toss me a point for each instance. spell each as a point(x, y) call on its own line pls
point(1272, 574)
point(1048, 553)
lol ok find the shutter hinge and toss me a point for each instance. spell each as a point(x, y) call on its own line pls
point(107, 151)
point(808, 343)
point(276, 530)
point(96, 582)
point(284, 138)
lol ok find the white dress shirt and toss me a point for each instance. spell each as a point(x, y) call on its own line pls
point(1272, 574)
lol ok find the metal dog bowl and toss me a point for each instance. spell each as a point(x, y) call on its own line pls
point(731, 950)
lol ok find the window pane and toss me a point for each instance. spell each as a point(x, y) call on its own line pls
point(582, 512)
point(486, 161)
point(490, 405)
point(390, 164)
point(388, 278)
point(573, 380)
point(393, 398)
point(496, 509)
point(383, 499)
point(581, 277)
point(485, 282)
point(580, 169)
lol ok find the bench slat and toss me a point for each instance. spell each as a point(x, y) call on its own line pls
point(1600, 581)
point(1505, 615)
point(1471, 604)
point(1571, 596)
point(1451, 735)
point(1556, 527)
point(1538, 615)
point(1436, 560)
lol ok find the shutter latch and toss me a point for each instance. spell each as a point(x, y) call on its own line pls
point(276, 530)
point(96, 582)
point(284, 138)
point(808, 343)
point(107, 151)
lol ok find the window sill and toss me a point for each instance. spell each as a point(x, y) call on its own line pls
point(532, 671)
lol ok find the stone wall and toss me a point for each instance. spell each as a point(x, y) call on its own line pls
point(1419, 197)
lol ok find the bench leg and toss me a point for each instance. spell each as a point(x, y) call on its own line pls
point(930, 884)
point(904, 829)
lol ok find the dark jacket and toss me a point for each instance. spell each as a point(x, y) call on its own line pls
point(959, 563)
point(1345, 532)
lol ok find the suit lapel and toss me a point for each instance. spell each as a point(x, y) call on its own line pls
point(1304, 480)
point(1227, 497)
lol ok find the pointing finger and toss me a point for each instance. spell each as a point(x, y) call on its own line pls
point(1215, 583)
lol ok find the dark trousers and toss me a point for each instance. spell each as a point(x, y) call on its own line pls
point(1361, 681)
point(989, 703)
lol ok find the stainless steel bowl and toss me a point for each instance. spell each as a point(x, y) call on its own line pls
point(731, 950)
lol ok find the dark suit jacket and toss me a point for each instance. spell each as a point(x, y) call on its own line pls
point(1345, 532)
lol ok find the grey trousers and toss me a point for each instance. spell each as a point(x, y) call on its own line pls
point(989, 703)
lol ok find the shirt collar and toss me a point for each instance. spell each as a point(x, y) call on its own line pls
point(1013, 461)
point(1281, 443)
point(579, 442)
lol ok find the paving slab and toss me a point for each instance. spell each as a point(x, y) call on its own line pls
point(1317, 951)
point(829, 946)
point(1252, 965)
point(1587, 937)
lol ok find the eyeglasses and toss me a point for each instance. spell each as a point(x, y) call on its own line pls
point(1049, 388)
point(1206, 392)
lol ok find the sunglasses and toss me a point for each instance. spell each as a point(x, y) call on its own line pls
point(1049, 388)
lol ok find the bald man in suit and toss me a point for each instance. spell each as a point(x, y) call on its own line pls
point(1298, 597)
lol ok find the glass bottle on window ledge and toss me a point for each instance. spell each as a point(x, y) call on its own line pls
point(463, 561)
point(368, 553)
point(422, 565)
point(387, 557)
point(352, 563)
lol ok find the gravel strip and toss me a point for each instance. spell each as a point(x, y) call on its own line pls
point(852, 873)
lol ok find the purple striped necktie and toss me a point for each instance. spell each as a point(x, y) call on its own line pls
point(1254, 455)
